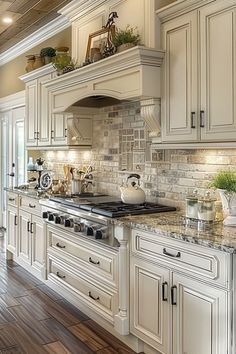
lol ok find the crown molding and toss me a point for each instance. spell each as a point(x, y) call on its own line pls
point(78, 8)
point(35, 74)
point(57, 25)
point(12, 101)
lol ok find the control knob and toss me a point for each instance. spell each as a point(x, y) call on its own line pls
point(68, 223)
point(45, 215)
point(50, 217)
point(57, 220)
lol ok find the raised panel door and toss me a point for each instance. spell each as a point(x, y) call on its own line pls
point(179, 101)
point(38, 243)
point(149, 309)
point(44, 120)
point(59, 129)
point(24, 236)
point(218, 71)
point(31, 128)
point(199, 317)
point(12, 229)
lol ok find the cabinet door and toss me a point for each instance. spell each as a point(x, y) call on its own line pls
point(199, 318)
point(38, 243)
point(12, 229)
point(179, 101)
point(149, 304)
point(218, 71)
point(44, 120)
point(31, 128)
point(24, 236)
point(59, 129)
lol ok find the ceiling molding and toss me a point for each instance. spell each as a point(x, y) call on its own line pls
point(71, 10)
point(12, 101)
point(46, 32)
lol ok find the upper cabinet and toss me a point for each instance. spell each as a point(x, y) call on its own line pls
point(198, 91)
point(45, 127)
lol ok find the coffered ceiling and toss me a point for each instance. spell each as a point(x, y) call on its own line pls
point(28, 16)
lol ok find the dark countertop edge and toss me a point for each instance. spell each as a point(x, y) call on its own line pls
point(25, 193)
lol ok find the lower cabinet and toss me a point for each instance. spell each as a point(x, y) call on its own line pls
point(12, 221)
point(31, 240)
point(170, 310)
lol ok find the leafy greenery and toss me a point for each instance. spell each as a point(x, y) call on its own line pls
point(126, 36)
point(225, 180)
point(48, 52)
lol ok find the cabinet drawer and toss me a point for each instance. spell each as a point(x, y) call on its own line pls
point(31, 205)
point(94, 261)
point(82, 286)
point(201, 262)
point(12, 199)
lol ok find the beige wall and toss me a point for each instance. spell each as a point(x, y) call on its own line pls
point(9, 73)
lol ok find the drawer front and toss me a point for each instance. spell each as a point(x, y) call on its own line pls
point(94, 261)
point(201, 262)
point(31, 205)
point(79, 283)
point(12, 199)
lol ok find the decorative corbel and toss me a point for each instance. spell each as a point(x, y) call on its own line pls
point(151, 113)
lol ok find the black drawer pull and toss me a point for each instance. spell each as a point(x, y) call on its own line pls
point(193, 126)
point(202, 119)
point(32, 205)
point(28, 226)
point(164, 298)
point(173, 299)
point(177, 255)
point(60, 246)
point(11, 199)
point(93, 262)
point(92, 297)
point(15, 220)
point(31, 227)
point(60, 276)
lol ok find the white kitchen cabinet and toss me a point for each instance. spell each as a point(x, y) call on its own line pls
point(24, 237)
point(150, 311)
point(43, 126)
point(174, 309)
point(12, 222)
point(199, 316)
point(199, 73)
point(37, 124)
point(38, 247)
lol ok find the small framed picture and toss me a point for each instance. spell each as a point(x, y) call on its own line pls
point(98, 41)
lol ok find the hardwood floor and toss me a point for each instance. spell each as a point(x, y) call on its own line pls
point(36, 320)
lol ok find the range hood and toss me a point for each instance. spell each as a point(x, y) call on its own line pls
point(134, 74)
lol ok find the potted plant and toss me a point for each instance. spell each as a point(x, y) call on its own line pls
point(225, 183)
point(125, 39)
point(47, 54)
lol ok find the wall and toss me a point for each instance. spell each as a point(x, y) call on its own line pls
point(120, 141)
point(10, 72)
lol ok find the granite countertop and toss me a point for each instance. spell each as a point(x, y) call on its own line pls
point(172, 225)
point(32, 193)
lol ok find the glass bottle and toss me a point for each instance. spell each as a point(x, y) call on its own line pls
point(192, 205)
point(206, 208)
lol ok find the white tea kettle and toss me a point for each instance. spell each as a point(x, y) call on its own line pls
point(132, 194)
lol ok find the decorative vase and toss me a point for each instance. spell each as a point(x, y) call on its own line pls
point(124, 46)
point(228, 200)
point(38, 62)
point(30, 63)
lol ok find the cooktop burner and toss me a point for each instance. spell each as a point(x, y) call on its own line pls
point(111, 206)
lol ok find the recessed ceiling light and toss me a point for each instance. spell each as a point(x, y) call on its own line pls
point(7, 20)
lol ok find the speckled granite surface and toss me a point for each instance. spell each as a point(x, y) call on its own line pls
point(32, 193)
point(173, 225)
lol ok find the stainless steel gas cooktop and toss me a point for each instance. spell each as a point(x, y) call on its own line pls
point(110, 206)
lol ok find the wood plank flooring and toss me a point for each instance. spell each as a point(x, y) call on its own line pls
point(36, 320)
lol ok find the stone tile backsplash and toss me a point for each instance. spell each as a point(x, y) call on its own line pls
point(121, 145)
